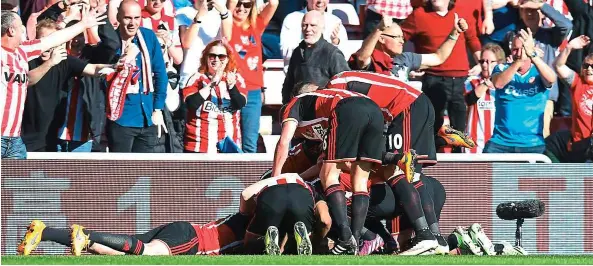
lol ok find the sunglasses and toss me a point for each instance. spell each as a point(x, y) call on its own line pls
point(482, 61)
point(247, 5)
point(586, 65)
point(213, 56)
point(395, 37)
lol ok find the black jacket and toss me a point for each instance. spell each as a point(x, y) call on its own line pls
point(317, 65)
point(92, 89)
point(582, 22)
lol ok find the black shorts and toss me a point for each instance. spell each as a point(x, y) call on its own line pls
point(355, 132)
point(560, 145)
point(282, 206)
point(180, 237)
point(414, 129)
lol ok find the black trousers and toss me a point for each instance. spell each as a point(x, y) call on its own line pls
point(134, 139)
point(446, 93)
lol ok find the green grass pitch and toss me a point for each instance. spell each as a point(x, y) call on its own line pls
point(315, 260)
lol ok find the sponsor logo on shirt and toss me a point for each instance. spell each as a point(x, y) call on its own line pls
point(485, 105)
point(209, 106)
point(21, 78)
point(520, 92)
point(586, 102)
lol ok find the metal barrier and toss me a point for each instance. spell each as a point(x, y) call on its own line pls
point(441, 157)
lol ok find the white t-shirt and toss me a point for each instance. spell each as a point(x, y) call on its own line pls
point(209, 31)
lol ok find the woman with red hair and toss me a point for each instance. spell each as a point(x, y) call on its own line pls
point(213, 98)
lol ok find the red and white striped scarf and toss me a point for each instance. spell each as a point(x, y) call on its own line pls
point(127, 74)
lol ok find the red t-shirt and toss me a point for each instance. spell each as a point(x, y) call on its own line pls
point(381, 63)
point(582, 107)
point(428, 30)
point(248, 53)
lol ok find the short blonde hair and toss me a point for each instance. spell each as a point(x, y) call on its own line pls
point(497, 50)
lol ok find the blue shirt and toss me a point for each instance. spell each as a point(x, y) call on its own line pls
point(138, 108)
point(520, 105)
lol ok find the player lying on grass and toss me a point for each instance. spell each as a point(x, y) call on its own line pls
point(176, 238)
point(473, 241)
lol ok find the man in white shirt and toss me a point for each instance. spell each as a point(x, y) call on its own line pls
point(291, 34)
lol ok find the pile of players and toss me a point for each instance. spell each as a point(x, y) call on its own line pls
point(350, 156)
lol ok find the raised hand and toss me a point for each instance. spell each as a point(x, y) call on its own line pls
point(532, 4)
point(579, 42)
point(385, 23)
point(91, 19)
point(58, 54)
point(487, 27)
point(335, 37)
point(460, 24)
point(528, 42)
point(231, 78)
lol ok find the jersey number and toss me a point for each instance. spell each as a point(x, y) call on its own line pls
point(395, 141)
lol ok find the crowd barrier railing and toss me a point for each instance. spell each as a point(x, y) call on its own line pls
point(441, 157)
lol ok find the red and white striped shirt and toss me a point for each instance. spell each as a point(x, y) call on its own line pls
point(388, 92)
point(312, 111)
point(399, 9)
point(480, 116)
point(15, 79)
point(76, 126)
point(214, 120)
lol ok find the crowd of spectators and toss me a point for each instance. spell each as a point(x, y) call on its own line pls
point(187, 75)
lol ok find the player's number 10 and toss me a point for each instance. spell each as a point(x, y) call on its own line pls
point(395, 141)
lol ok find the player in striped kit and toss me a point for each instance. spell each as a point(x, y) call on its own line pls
point(281, 205)
point(175, 238)
point(16, 75)
point(213, 97)
point(480, 99)
point(350, 126)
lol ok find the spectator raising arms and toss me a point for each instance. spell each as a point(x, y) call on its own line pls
point(480, 98)
point(575, 147)
point(15, 55)
point(245, 39)
point(213, 100)
point(382, 51)
point(428, 27)
point(195, 33)
point(523, 87)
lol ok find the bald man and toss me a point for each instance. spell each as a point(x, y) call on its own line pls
point(139, 126)
point(315, 60)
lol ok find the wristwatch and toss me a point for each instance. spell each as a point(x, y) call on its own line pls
point(532, 55)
